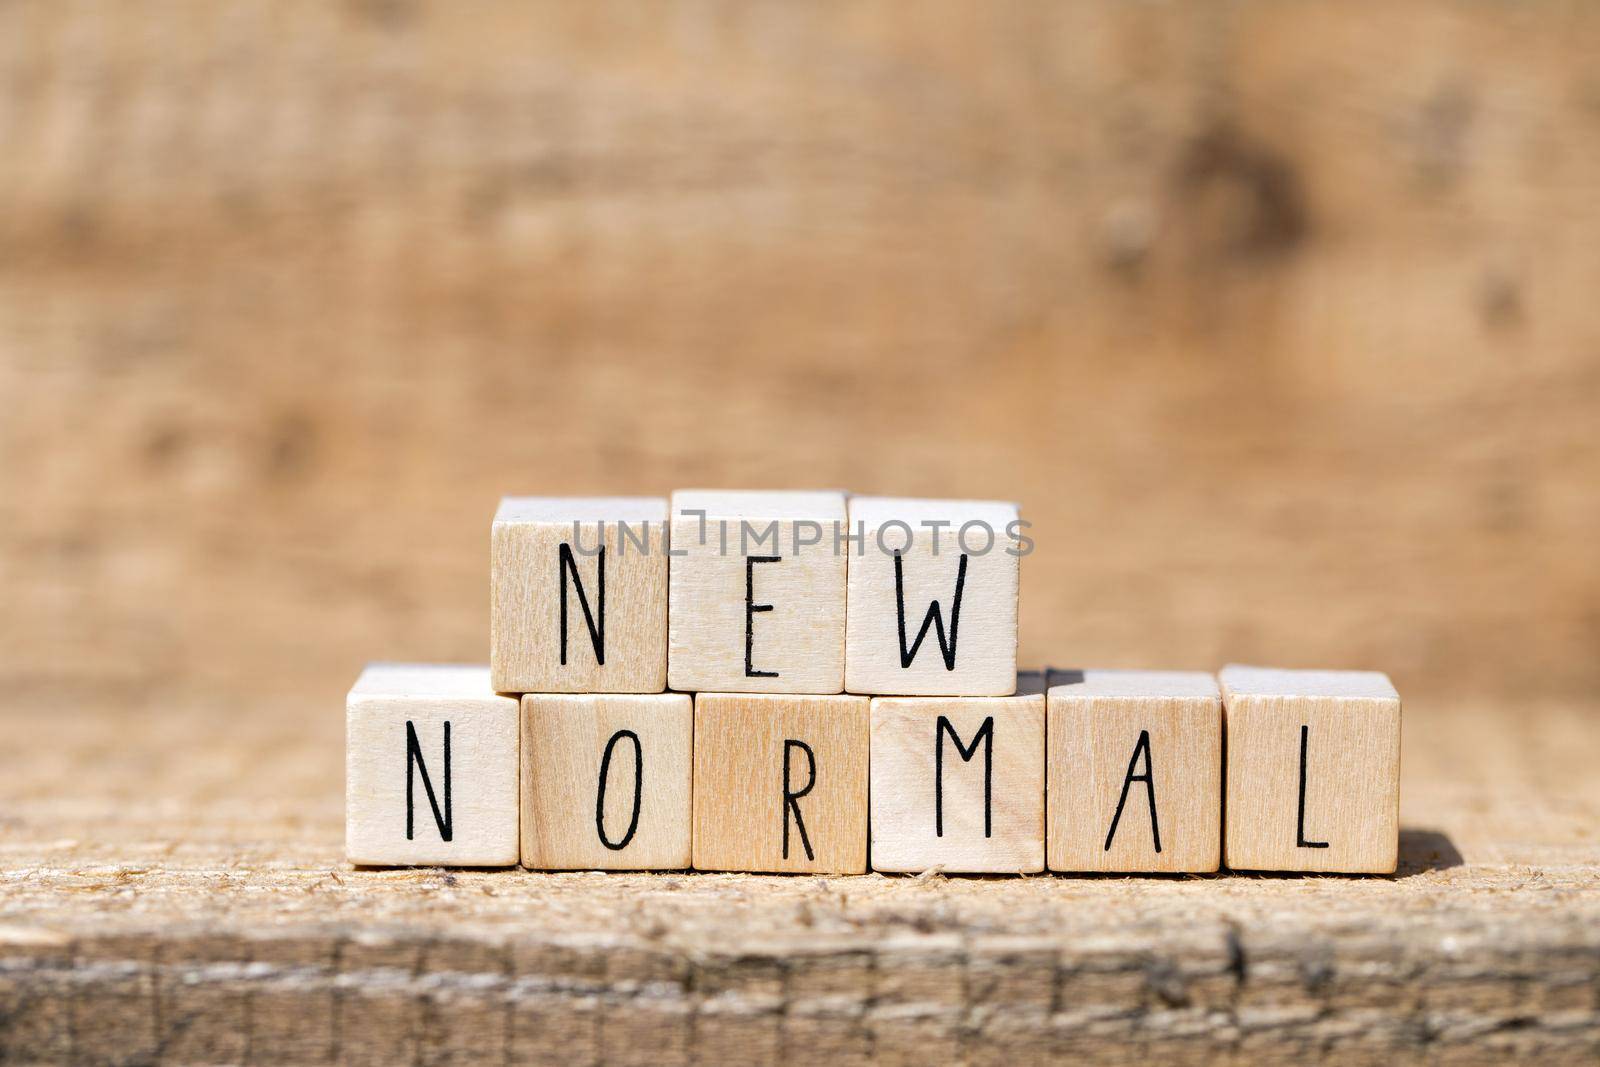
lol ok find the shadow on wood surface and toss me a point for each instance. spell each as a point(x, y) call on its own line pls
point(1426, 850)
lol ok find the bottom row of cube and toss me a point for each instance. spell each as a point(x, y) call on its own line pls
point(1107, 771)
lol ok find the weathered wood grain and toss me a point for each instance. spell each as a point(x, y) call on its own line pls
point(188, 901)
point(1277, 319)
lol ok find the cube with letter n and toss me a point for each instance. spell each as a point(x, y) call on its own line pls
point(578, 595)
point(431, 756)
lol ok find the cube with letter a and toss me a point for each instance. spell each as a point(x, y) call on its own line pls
point(1135, 765)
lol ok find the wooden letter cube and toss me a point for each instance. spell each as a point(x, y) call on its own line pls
point(958, 782)
point(1135, 764)
point(757, 592)
point(572, 611)
point(606, 781)
point(933, 598)
point(780, 783)
point(430, 768)
point(1313, 770)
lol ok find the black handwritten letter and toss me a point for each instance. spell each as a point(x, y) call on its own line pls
point(568, 568)
point(1300, 817)
point(415, 766)
point(791, 796)
point(934, 618)
point(750, 609)
point(985, 734)
point(638, 790)
point(1147, 777)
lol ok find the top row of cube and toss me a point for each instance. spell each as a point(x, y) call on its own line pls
point(755, 592)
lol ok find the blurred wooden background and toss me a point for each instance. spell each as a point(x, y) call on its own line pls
point(1282, 321)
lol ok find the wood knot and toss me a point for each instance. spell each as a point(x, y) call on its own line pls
point(1245, 198)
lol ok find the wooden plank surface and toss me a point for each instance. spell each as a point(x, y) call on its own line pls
point(1278, 319)
point(187, 897)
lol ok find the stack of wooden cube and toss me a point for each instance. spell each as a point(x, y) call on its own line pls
point(810, 681)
